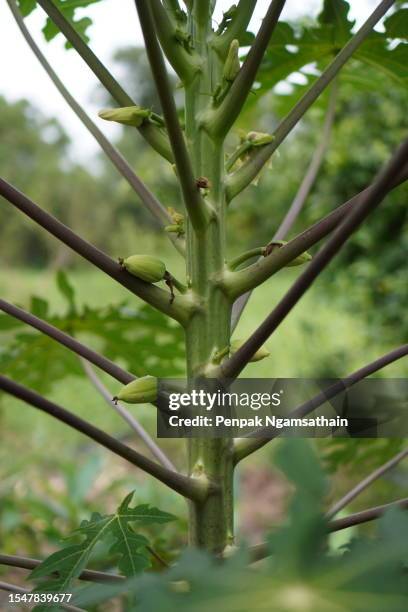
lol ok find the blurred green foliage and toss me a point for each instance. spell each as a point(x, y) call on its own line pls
point(301, 573)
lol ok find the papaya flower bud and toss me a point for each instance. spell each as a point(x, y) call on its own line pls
point(147, 268)
point(128, 115)
point(259, 139)
point(232, 65)
point(139, 391)
point(260, 354)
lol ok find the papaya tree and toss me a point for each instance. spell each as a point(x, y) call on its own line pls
point(222, 69)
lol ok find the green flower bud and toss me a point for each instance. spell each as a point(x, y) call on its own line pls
point(232, 65)
point(139, 391)
point(298, 261)
point(172, 229)
point(145, 267)
point(259, 139)
point(128, 115)
point(260, 354)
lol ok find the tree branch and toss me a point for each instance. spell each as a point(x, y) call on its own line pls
point(188, 487)
point(254, 275)
point(366, 515)
point(73, 345)
point(236, 28)
point(361, 486)
point(160, 299)
point(221, 119)
point(369, 201)
point(30, 564)
point(186, 65)
point(152, 134)
point(247, 446)
point(301, 195)
point(117, 159)
point(246, 174)
point(128, 417)
point(194, 204)
point(312, 171)
point(261, 551)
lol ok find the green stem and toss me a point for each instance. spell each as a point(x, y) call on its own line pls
point(185, 64)
point(194, 204)
point(211, 521)
point(151, 133)
point(236, 28)
point(221, 119)
point(243, 148)
point(257, 252)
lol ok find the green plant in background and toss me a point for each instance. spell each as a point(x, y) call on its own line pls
point(218, 84)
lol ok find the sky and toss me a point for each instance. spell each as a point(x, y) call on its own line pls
point(115, 24)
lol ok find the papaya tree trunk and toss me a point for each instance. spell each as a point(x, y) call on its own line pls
point(211, 521)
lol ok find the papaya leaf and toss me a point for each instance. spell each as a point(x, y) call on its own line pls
point(68, 9)
point(293, 49)
point(57, 573)
point(368, 575)
point(119, 331)
point(66, 289)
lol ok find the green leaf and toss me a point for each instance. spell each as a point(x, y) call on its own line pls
point(26, 6)
point(335, 14)
point(128, 547)
point(396, 26)
point(68, 9)
point(292, 48)
point(66, 289)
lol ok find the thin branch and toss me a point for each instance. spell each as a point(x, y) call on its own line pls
point(185, 64)
point(246, 174)
point(73, 345)
point(188, 487)
point(30, 564)
point(247, 446)
point(13, 588)
point(369, 201)
point(366, 515)
point(260, 271)
point(301, 195)
point(192, 199)
point(312, 171)
point(361, 486)
point(236, 28)
point(221, 119)
point(117, 159)
point(152, 134)
point(128, 417)
point(177, 309)
point(261, 551)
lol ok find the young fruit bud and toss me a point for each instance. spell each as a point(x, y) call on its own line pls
point(259, 139)
point(128, 115)
point(261, 353)
point(145, 267)
point(172, 229)
point(298, 261)
point(232, 65)
point(139, 391)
